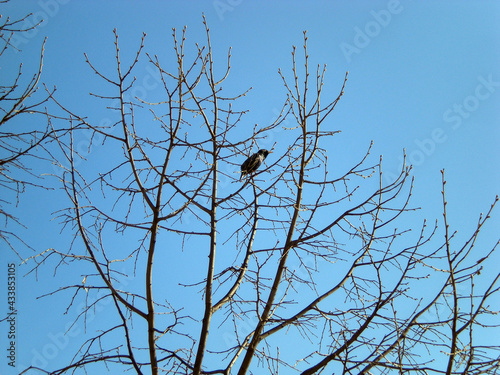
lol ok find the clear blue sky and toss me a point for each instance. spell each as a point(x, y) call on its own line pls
point(423, 76)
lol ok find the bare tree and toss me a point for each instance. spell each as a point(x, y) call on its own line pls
point(19, 142)
point(290, 254)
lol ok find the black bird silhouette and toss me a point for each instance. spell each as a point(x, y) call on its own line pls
point(253, 162)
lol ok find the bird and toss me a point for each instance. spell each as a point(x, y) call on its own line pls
point(253, 162)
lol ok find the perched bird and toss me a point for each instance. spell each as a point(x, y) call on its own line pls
point(253, 162)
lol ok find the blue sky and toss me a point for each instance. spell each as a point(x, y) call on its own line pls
point(423, 76)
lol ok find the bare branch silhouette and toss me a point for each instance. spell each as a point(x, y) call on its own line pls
point(301, 266)
point(20, 141)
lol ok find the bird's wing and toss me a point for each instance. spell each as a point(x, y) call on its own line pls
point(248, 163)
